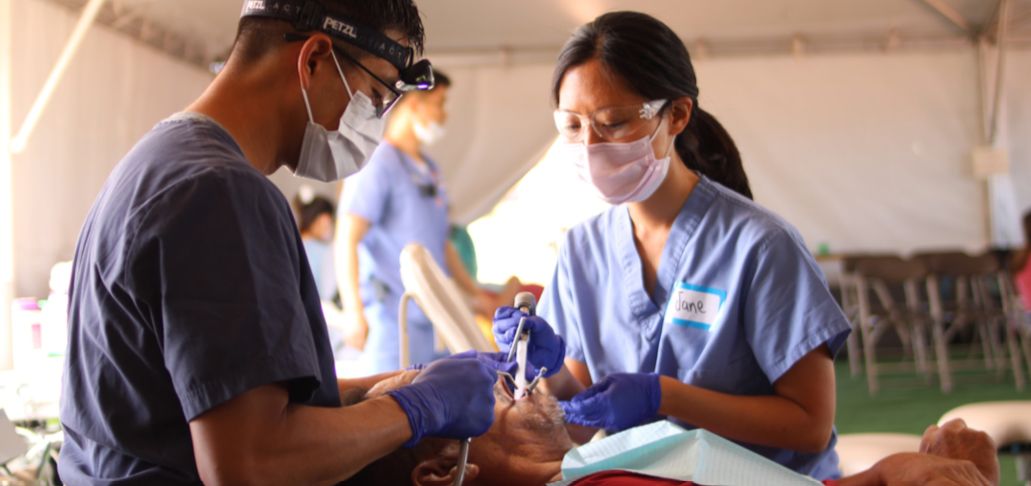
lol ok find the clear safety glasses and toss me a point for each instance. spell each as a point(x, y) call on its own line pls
point(383, 102)
point(610, 123)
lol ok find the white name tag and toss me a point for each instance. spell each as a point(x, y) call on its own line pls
point(694, 306)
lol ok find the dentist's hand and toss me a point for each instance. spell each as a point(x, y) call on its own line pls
point(617, 402)
point(546, 349)
point(451, 398)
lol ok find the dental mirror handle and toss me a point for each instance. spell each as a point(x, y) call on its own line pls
point(463, 459)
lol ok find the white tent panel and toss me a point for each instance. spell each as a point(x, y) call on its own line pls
point(115, 90)
point(862, 151)
point(499, 122)
point(1019, 117)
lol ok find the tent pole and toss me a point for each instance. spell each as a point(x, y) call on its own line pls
point(6, 198)
point(950, 13)
point(89, 14)
point(1000, 65)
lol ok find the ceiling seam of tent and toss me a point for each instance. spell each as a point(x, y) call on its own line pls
point(704, 48)
point(140, 28)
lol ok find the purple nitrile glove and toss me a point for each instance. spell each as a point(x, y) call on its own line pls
point(546, 349)
point(617, 402)
point(451, 398)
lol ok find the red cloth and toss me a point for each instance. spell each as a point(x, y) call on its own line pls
point(623, 478)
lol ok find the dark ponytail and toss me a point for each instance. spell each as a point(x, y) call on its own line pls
point(654, 63)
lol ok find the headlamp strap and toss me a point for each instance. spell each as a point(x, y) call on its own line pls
point(308, 15)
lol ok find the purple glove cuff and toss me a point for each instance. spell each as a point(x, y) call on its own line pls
point(402, 395)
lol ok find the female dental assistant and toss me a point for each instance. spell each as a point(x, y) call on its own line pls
point(685, 299)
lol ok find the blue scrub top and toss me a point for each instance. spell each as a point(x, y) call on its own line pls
point(738, 301)
point(190, 286)
point(390, 193)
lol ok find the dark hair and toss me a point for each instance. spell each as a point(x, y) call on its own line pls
point(654, 63)
point(441, 79)
point(309, 212)
point(1024, 254)
point(255, 37)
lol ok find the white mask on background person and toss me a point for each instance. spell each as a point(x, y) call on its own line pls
point(619, 172)
point(428, 133)
point(330, 156)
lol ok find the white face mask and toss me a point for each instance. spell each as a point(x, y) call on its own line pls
point(428, 134)
point(331, 156)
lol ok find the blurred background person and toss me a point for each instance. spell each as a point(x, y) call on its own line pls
point(316, 218)
point(1021, 269)
point(397, 199)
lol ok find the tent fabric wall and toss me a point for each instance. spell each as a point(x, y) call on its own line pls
point(499, 124)
point(1018, 114)
point(115, 90)
point(862, 152)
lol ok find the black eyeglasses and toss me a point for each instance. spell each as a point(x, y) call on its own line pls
point(388, 101)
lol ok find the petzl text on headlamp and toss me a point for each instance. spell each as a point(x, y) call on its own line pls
point(308, 15)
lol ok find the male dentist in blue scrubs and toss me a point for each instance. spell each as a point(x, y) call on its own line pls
point(198, 352)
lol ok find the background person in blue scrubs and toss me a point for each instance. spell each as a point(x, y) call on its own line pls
point(396, 200)
point(687, 299)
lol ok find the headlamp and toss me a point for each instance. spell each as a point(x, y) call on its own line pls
point(308, 15)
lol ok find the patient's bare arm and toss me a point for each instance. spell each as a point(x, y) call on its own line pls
point(955, 441)
point(950, 455)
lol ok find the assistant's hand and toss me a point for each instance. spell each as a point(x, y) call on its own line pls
point(451, 398)
point(617, 402)
point(955, 440)
point(546, 348)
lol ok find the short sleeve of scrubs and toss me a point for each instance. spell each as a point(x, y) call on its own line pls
point(787, 287)
point(229, 317)
point(367, 193)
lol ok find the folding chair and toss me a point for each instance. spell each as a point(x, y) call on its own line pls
point(850, 306)
point(908, 318)
point(441, 301)
point(973, 305)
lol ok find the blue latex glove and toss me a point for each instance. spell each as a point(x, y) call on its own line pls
point(546, 349)
point(451, 398)
point(617, 402)
point(494, 361)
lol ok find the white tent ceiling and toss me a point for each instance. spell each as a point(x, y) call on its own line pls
point(203, 29)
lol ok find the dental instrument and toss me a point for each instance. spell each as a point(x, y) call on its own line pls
point(463, 459)
point(533, 384)
point(527, 303)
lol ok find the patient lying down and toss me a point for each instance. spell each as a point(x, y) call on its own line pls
point(529, 439)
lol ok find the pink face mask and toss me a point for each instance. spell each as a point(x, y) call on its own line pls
point(619, 172)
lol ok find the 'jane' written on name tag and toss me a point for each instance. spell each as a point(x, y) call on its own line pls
point(694, 306)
